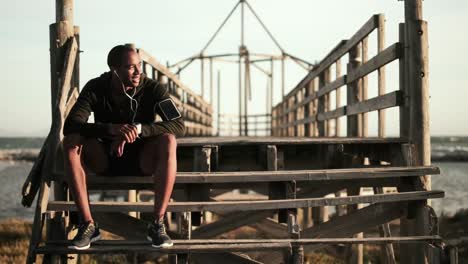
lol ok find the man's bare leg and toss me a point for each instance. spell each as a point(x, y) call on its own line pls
point(159, 158)
point(78, 151)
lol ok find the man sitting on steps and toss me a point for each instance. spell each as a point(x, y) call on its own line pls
point(124, 140)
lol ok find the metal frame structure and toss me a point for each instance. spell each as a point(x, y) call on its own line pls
point(246, 58)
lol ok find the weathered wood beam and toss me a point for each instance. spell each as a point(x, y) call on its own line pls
point(270, 176)
point(345, 226)
point(388, 55)
point(381, 102)
point(250, 205)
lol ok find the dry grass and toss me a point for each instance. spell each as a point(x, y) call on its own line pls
point(14, 240)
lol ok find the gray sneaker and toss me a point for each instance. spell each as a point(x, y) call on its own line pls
point(157, 234)
point(87, 233)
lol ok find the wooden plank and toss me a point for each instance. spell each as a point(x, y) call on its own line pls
point(380, 102)
point(295, 241)
point(388, 55)
point(272, 176)
point(329, 87)
point(229, 223)
point(307, 120)
point(341, 81)
point(249, 205)
point(242, 141)
point(345, 226)
point(225, 258)
point(179, 249)
point(332, 114)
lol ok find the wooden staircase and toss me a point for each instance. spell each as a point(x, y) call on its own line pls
point(290, 176)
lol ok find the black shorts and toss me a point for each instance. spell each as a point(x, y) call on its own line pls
point(129, 163)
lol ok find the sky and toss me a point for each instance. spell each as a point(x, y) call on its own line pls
point(176, 29)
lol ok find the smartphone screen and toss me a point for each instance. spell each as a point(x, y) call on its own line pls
point(169, 109)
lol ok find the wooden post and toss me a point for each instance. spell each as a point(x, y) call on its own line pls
point(202, 163)
point(381, 73)
point(276, 190)
point(338, 97)
point(354, 126)
point(63, 58)
point(416, 33)
point(327, 99)
point(324, 78)
point(364, 89)
point(132, 197)
point(416, 36)
point(388, 254)
point(403, 86)
point(315, 130)
point(354, 129)
point(36, 233)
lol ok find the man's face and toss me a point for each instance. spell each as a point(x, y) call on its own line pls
point(130, 70)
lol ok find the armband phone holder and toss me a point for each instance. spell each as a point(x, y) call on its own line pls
point(169, 110)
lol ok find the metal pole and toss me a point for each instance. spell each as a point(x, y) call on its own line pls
point(271, 83)
point(240, 96)
point(282, 77)
point(219, 102)
point(211, 81)
point(202, 77)
point(242, 22)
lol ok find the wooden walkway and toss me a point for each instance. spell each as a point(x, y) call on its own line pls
point(290, 179)
point(293, 195)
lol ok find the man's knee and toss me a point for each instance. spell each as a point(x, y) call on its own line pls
point(72, 144)
point(167, 142)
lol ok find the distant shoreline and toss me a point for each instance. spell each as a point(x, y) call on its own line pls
point(30, 155)
point(443, 148)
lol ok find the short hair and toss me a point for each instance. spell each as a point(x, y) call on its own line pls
point(114, 58)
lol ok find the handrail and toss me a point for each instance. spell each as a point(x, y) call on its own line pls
point(196, 111)
point(307, 106)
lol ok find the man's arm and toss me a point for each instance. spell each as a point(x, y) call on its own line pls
point(77, 119)
point(175, 127)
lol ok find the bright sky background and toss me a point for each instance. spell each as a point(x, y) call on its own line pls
point(176, 29)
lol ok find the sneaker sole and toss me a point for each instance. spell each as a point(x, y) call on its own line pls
point(94, 239)
point(165, 245)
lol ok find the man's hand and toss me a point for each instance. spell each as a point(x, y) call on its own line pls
point(124, 131)
point(117, 147)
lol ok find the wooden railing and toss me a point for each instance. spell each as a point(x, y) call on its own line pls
point(197, 112)
point(257, 125)
point(306, 110)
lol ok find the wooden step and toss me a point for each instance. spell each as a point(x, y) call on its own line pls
point(249, 205)
point(226, 141)
point(142, 182)
point(220, 245)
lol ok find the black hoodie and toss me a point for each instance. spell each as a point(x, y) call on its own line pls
point(96, 97)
